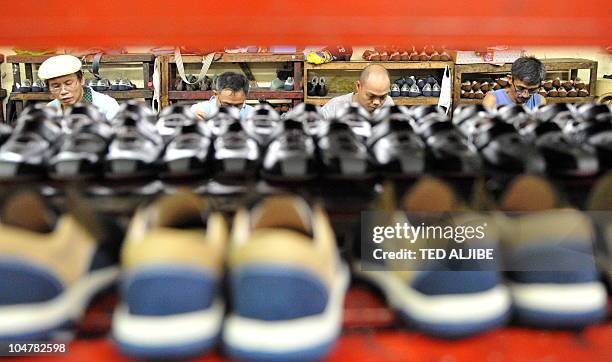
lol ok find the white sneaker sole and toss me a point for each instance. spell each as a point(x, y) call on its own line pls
point(284, 338)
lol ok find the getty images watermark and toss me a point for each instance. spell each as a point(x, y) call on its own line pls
point(473, 241)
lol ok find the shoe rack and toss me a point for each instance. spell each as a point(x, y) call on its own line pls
point(169, 76)
point(355, 66)
point(2, 92)
point(565, 68)
point(31, 63)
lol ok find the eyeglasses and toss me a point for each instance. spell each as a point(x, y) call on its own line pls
point(522, 90)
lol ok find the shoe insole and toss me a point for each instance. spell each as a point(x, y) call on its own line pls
point(29, 211)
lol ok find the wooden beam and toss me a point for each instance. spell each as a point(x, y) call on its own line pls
point(245, 58)
point(107, 58)
point(402, 101)
point(359, 65)
point(41, 96)
point(253, 95)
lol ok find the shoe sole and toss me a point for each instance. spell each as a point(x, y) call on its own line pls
point(175, 336)
point(308, 338)
point(559, 305)
point(41, 320)
point(448, 316)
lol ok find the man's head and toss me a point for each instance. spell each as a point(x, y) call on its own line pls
point(372, 87)
point(64, 77)
point(231, 89)
point(527, 73)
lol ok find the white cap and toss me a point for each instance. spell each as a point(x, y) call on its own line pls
point(58, 66)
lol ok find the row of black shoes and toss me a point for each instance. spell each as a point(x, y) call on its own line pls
point(396, 141)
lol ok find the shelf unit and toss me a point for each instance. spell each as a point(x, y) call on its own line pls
point(2, 92)
point(29, 62)
point(569, 65)
point(360, 65)
point(169, 75)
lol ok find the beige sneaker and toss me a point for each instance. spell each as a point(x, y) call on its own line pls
point(172, 269)
point(287, 282)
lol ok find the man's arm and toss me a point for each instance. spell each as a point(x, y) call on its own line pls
point(490, 101)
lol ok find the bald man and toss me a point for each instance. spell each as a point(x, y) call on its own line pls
point(372, 92)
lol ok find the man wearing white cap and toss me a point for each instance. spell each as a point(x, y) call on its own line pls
point(65, 80)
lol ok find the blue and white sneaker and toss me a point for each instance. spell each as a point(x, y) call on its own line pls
point(552, 273)
point(287, 283)
point(172, 263)
point(448, 299)
point(51, 267)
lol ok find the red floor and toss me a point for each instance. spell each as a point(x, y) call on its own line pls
point(372, 334)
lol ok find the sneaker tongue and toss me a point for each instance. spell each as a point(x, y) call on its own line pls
point(431, 195)
point(181, 210)
point(28, 210)
point(283, 212)
point(529, 193)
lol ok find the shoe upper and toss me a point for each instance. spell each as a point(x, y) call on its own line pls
point(35, 138)
point(173, 256)
point(283, 259)
point(43, 252)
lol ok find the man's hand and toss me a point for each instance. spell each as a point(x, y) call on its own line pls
point(201, 115)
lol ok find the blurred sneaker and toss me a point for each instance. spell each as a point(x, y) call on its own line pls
point(288, 86)
point(51, 267)
point(395, 90)
point(445, 298)
point(600, 206)
point(427, 92)
point(414, 91)
point(287, 282)
point(405, 90)
point(549, 258)
point(435, 90)
point(172, 266)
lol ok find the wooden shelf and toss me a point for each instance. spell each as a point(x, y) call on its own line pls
point(548, 100)
point(106, 58)
point(41, 96)
point(569, 65)
point(402, 101)
point(245, 58)
point(253, 94)
point(359, 65)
